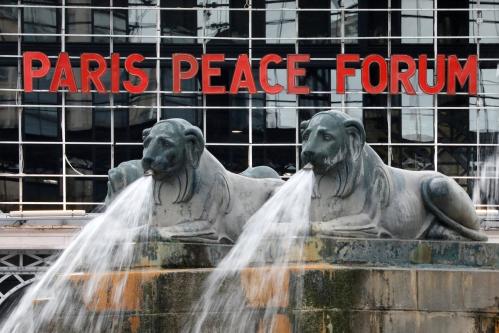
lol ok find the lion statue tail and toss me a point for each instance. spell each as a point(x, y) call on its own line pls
point(444, 219)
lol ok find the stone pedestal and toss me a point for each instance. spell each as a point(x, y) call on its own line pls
point(349, 285)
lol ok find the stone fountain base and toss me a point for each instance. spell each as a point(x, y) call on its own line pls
point(350, 285)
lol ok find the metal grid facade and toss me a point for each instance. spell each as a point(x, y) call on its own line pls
point(56, 148)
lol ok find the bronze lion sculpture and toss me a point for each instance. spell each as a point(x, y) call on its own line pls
point(196, 198)
point(357, 195)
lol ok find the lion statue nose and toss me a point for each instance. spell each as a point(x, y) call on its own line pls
point(147, 162)
point(308, 154)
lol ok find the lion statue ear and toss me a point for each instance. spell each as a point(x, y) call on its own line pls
point(356, 137)
point(195, 140)
point(304, 125)
point(145, 133)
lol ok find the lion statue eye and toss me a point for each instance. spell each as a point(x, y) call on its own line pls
point(305, 137)
point(328, 137)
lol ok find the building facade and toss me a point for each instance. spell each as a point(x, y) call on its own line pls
point(56, 148)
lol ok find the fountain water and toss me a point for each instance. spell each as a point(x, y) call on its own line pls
point(77, 283)
point(260, 261)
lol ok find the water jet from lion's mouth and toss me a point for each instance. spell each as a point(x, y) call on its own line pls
point(308, 166)
point(149, 172)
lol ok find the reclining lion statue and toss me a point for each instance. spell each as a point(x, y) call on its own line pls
point(357, 195)
point(196, 198)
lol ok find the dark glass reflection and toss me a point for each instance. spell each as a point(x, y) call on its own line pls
point(124, 153)
point(413, 158)
point(8, 22)
point(281, 159)
point(234, 159)
point(179, 22)
point(87, 21)
point(42, 20)
point(85, 190)
point(227, 125)
point(43, 189)
point(42, 159)
point(9, 192)
point(456, 161)
point(88, 159)
point(9, 159)
point(314, 23)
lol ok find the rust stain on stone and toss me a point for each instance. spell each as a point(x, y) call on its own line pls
point(279, 324)
point(266, 286)
point(110, 285)
point(134, 324)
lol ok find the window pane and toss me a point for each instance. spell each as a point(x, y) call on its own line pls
point(42, 159)
point(86, 190)
point(487, 14)
point(417, 20)
point(179, 22)
point(281, 159)
point(456, 161)
point(8, 23)
point(9, 159)
point(413, 158)
point(9, 192)
point(41, 21)
point(234, 159)
point(227, 125)
point(280, 23)
point(88, 159)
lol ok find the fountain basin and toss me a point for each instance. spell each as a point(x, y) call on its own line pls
point(349, 285)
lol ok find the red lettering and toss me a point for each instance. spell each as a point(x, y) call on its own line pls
point(209, 72)
point(342, 71)
point(243, 68)
point(29, 72)
point(423, 75)
point(264, 79)
point(115, 73)
point(63, 66)
point(178, 74)
point(294, 72)
point(466, 73)
point(93, 76)
point(135, 71)
point(402, 77)
point(366, 74)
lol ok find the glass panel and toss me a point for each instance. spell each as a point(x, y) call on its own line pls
point(220, 22)
point(234, 159)
point(488, 16)
point(227, 125)
point(8, 23)
point(9, 160)
point(87, 21)
point(86, 190)
point(456, 126)
point(456, 161)
point(9, 192)
point(42, 159)
point(413, 158)
point(417, 20)
point(451, 22)
point(314, 23)
point(376, 125)
point(127, 153)
point(280, 23)
point(179, 22)
point(141, 22)
point(88, 159)
point(382, 152)
point(281, 159)
point(46, 189)
point(41, 21)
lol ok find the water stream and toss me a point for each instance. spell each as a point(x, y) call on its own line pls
point(77, 277)
point(246, 290)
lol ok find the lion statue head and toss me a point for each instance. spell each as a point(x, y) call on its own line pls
point(332, 141)
point(170, 147)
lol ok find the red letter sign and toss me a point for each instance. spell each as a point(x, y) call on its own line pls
point(402, 77)
point(132, 70)
point(294, 72)
point(366, 74)
point(63, 66)
point(423, 75)
point(341, 71)
point(178, 74)
point(115, 73)
point(264, 79)
point(87, 75)
point(468, 72)
point(29, 72)
point(208, 72)
point(243, 68)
